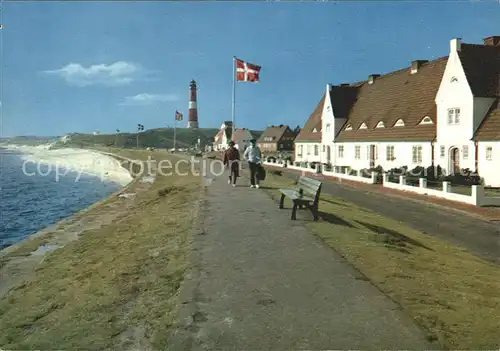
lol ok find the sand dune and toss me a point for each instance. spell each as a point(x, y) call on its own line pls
point(66, 162)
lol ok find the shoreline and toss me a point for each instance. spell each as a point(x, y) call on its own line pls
point(67, 220)
point(18, 262)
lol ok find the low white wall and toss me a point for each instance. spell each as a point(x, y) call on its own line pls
point(339, 175)
point(477, 197)
point(355, 178)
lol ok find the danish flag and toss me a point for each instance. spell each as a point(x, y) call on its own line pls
point(247, 72)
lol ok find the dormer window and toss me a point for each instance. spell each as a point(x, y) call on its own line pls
point(426, 120)
point(349, 127)
point(363, 126)
point(399, 123)
point(315, 130)
point(380, 125)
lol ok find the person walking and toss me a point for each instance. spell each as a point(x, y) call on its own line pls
point(232, 163)
point(253, 156)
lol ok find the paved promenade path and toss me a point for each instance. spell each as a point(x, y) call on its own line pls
point(264, 282)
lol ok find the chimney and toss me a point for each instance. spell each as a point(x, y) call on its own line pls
point(455, 44)
point(415, 65)
point(492, 41)
point(372, 77)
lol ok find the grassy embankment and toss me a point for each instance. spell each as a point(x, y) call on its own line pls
point(448, 291)
point(116, 286)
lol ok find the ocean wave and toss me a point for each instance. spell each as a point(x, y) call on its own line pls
point(63, 161)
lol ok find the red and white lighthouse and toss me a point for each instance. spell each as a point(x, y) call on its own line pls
point(193, 108)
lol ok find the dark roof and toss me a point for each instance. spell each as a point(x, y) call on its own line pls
point(275, 132)
point(489, 129)
point(343, 98)
point(481, 64)
point(314, 121)
point(393, 96)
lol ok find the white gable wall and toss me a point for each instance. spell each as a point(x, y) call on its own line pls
point(454, 92)
point(329, 127)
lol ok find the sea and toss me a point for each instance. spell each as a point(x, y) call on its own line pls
point(34, 196)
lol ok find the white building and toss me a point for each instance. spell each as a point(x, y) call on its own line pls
point(222, 138)
point(444, 112)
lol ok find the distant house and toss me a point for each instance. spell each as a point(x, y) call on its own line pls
point(222, 138)
point(444, 112)
point(277, 138)
point(241, 138)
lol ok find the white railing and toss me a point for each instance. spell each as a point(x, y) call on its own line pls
point(341, 175)
point(477, 197)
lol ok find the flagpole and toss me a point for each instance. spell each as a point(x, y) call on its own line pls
point(175, 131)
point(234, 95)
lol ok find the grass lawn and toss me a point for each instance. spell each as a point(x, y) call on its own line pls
point(116, 286)
point(451, 293)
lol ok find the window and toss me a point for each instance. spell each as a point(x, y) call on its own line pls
point(441, 151)
point(301, 148)
point(390, 153)
point(489, 153)
point(316, 150)
point(368, 152)
point(281, 146)
point(341, 151)
point(349, 127)
point(362, 126)
point(380, 125)
point(453, 116)
point(308, 149)
point(426, 120)
point(465, 152)
point(328, 128)
point(417, 155)
point(324, 148)
point(357, 152)
point(399, 123)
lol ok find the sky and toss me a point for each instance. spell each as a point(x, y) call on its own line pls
point(101, 66)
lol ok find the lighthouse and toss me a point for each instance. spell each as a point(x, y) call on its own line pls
point(193, 108)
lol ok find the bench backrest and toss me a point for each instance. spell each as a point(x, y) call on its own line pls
point(310, 186)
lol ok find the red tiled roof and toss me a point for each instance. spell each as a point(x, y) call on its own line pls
point(240, 135)
point(275, 132)
point(393, 96)
point(489, 128)
point(314, 122)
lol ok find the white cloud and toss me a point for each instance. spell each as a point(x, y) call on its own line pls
point(115, 74)
point(145, 99)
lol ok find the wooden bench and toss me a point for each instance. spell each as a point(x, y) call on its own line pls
point(306, 195)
